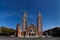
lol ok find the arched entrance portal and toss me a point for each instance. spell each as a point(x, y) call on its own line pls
point(32, 34)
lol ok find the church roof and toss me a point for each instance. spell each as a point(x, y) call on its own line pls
point(32, 27)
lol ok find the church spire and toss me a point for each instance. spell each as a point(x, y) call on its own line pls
point(24, 21)
point(39, 21)
point(25, 14)
point(39, 24)
point(39, 14)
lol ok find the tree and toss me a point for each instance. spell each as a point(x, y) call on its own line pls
point(7, 31)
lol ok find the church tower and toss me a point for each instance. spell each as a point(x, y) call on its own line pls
point(39, 24)
point(18, 32)
point(24, 22)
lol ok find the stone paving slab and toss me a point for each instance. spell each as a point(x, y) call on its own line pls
point(7, 38)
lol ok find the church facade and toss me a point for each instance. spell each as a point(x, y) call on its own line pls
point(32, 30)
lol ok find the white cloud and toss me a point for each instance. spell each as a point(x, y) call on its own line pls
point(6, 14)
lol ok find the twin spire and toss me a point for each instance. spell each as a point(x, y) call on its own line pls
point(25, 14)
point(39, 14)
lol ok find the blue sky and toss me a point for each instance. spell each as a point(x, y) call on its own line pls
point(11, 12)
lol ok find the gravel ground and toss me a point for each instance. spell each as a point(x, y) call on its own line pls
point(7, 38)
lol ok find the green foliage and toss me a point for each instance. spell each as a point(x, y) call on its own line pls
point(7, 31)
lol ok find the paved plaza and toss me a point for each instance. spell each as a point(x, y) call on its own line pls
point(7, 38)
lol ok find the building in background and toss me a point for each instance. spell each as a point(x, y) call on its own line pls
point(54, 32)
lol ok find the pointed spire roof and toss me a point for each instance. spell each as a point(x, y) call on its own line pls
point(25, 14)
point(39, 14)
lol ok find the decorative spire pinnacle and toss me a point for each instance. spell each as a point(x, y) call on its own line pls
point(25, 13)
point(39, 14)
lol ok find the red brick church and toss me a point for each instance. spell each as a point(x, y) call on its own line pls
point(32, 30)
